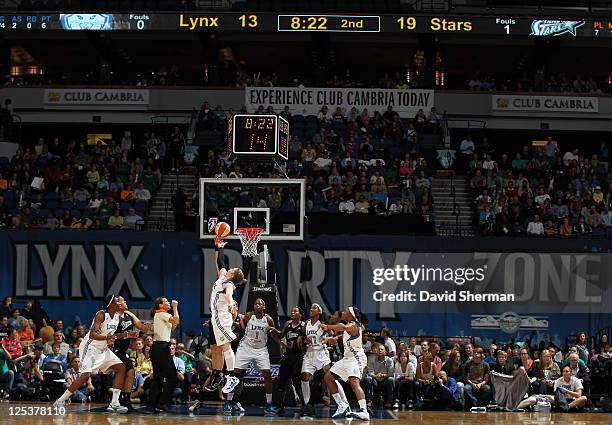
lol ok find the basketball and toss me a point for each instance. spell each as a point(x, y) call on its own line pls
point(222, 229)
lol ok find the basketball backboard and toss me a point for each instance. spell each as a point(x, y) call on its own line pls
point(276, 205)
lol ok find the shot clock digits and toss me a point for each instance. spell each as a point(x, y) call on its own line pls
point(259, 135)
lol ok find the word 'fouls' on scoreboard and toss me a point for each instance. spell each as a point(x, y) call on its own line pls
point(258, 136)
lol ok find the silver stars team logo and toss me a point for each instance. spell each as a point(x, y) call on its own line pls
point(554, 27)
point(87, 21)
point(212, 222)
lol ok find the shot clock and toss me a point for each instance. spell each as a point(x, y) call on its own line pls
point(260, 136)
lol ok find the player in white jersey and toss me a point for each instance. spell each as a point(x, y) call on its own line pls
point(97, 357)
point(223, 310)
point(253, 350)
point(316, 357)
point(350, 368)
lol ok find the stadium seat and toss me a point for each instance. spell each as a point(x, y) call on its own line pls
point(141, 205)
point(245, 200)
point(76, 213)
point(4, 161)
point(609, 232)
point(297, 121)
point(598, 232)
point(52, 205)
point(379, 196)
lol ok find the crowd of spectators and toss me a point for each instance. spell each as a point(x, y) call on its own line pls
point(538, 190)
point(461, 374)
point(39, 357)
point(540, 82)
point(353, 161)
point(65, 184)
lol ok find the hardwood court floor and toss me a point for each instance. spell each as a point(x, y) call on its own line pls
point(78, 414)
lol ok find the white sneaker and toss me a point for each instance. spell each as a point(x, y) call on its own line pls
point(194, 406)
point(116, 408)
point(230, 384)
point(361, 414)
point(59, 403)
point(343, 411)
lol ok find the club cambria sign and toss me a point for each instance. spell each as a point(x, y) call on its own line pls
point(95, 98)
point(308, 101)
point(572, 104)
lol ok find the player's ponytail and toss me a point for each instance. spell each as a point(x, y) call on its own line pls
point(358, 315)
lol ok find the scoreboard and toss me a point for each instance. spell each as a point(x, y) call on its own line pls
point(267, 22)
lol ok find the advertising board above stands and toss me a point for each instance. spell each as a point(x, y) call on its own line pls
point(128, 105)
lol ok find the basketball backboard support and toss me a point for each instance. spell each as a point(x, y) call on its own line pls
point(276, 205)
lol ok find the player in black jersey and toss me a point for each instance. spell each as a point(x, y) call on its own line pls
point(128, 328)
point(291, 363)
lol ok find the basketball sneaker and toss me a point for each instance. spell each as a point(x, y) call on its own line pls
point(238, 408)
point(194, 406)
point(230, 384)
point(360, 414)
point(58, 403)
point(227, 407)
point(116, 408)
point(307, 410)
point(343, 411)
point(214, 383)
point(270, 410)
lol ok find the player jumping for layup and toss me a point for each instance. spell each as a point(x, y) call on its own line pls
point(222, 310)
point(253, 349)
point(350, 368)
point(97, 357)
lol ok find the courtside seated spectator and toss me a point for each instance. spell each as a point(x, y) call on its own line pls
point(72, 374)
point(476, 379)
point(381, 379)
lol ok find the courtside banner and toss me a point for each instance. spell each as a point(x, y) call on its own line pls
point(561, 285)
point(487, 283)
point(574, 104)
point(310, 100)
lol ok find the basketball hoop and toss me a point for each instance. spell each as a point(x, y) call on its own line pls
point(249, 237)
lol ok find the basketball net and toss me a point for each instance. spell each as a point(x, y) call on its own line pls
point(249, 237)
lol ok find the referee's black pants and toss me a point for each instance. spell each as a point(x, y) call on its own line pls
point(164, 375)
